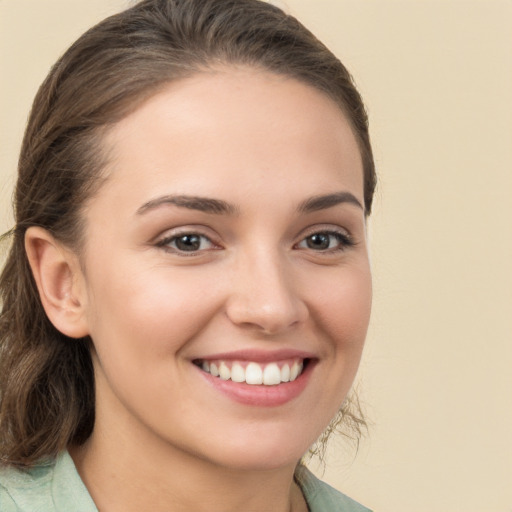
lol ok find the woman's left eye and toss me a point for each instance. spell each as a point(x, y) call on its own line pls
point(187, 243)
point(326, 241)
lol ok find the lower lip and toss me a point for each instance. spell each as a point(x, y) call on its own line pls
point(261, 395)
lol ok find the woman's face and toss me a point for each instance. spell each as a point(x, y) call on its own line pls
point(229, 237)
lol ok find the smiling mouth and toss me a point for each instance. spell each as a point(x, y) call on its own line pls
point(253, 373)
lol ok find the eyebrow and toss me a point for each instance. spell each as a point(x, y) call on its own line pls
point(220, 207)
point(317, 203)
point(202, 204)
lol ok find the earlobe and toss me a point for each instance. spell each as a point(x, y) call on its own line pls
point(59, 280)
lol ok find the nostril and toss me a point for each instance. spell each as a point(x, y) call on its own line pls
point(269, 317)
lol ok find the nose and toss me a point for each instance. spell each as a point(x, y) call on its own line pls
point(264, 296)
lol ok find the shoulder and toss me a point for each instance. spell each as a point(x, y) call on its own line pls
point(52, 486)
point(23, 489)
point(321, 497)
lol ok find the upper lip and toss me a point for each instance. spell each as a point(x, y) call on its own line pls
point(259, 356)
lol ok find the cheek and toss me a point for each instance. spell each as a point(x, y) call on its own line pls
point(343, 305)
point(154, 308)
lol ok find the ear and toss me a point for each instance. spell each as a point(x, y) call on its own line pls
point(59, 280)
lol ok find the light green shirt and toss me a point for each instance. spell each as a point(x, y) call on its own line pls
point(57, 487)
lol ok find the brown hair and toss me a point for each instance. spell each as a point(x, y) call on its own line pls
point(46, 379)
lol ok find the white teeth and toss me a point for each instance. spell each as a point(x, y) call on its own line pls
point(295, 370)
point(224, 371)
point(285, 373)
point(254, 373)
point(237, 373)
point(271, 375)
point(214, 370)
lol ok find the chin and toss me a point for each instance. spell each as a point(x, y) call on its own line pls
point(262, 453)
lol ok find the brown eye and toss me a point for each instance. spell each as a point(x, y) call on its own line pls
point(326, 241)
point(319, 241)
point(187, 242)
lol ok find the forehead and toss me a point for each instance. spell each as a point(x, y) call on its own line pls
point(234, 126)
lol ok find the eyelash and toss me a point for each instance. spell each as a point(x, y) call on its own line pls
point(343, 240)
point(165, 243)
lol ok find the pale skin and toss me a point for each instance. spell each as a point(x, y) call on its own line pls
point(281, 265)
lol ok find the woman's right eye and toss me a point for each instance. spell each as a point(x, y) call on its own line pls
point(186, 243)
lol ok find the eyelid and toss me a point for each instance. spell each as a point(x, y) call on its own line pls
point(170, 235)
point(346, 239)
point(325, 228)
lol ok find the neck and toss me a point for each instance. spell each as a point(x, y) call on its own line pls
point(125, 476)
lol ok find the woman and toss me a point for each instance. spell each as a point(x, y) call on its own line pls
point(187, 294)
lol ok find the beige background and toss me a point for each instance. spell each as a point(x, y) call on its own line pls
point(437, 374)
